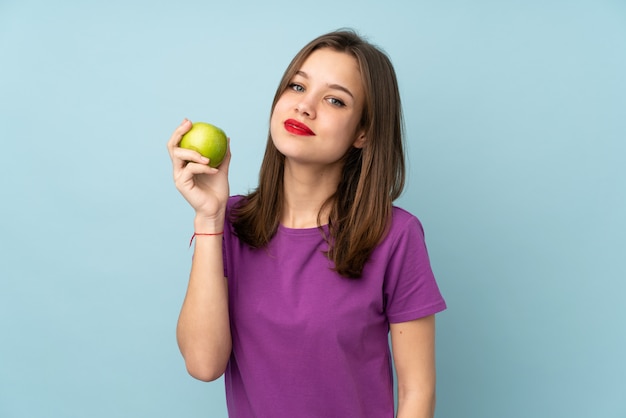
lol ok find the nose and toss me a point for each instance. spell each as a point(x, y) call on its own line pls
point(306, 107)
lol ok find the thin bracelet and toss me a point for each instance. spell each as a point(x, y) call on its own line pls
point(195, 234)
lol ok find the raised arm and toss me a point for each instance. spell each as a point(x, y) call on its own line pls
point(203, 330)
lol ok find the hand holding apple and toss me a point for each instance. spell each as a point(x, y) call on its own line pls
point(208, 140)
point(203, 186)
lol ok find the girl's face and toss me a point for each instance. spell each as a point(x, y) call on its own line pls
point(316, 119)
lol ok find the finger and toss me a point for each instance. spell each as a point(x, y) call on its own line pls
point(186, 175)
point(178, 133)
point(193, 169)
point(181, 156)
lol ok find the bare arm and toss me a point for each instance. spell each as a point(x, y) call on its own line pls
point(413, 345)
point(203, 330)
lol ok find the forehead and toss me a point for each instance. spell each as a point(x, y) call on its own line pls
point(333, 67)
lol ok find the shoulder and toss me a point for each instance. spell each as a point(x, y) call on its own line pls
point(233, 201)
point(409, 285)
point(231, 206)
point(400, 214)
point(403, 221)
point(404, 234)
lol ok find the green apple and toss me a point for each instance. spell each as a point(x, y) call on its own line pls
point(210, 141)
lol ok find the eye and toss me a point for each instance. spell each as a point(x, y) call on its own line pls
point(336, 102)
point(296, 87)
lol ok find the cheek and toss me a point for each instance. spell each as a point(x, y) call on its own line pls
point(274, 120)
point(276, 125)
point(279, 113)
point(282, 104)
point(348, 128)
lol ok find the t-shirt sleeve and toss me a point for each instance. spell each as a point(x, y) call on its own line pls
point(410, 289)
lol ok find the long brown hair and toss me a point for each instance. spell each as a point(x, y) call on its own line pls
point(372, 176)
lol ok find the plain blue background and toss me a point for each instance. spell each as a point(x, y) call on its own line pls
point(516, 123)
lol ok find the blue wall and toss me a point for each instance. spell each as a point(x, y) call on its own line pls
point(516, 122)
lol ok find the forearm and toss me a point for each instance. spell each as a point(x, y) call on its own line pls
point(203, 330)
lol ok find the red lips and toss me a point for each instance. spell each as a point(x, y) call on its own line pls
point(298, 128)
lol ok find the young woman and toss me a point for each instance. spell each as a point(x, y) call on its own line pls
point(295, 287)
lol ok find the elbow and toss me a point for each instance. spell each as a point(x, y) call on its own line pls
point(206, 368)
point(411, 401)
point(205, 372)
point(205, 362)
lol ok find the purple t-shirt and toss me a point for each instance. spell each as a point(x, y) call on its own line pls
point(310, 343)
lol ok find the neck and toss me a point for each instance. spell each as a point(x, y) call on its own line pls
point(306, 189)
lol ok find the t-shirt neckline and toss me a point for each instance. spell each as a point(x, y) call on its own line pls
point(302, 231)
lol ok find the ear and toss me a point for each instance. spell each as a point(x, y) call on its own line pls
point(360, 140)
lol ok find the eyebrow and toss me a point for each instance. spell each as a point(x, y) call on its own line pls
point(332, 86)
